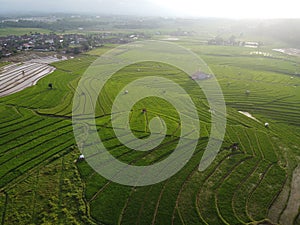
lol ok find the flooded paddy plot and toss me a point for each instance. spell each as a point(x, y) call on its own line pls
point(18, 76)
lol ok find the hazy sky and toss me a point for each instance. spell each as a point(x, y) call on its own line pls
point(191, 8)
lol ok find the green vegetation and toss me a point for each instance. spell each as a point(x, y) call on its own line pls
point(3, 64)
point(21, 31)
point(43, 183)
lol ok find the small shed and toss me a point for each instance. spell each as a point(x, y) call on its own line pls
point(81, 157)
point(267, 125)
point(200, 76)
point(235, 146)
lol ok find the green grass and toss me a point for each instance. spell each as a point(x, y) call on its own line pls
point(101, 50)
point(38, 167)
point(3, 64)
point(21, 31)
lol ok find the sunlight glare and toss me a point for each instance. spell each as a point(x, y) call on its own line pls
point(232, 8)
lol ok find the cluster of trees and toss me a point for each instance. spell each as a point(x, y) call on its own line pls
point(67, 22)
point(218, 40)
point(59, 25)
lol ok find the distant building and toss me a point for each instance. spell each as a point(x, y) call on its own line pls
point(27, 46)
point(250, 44)
point(7, 54)
point(49, 41)
point(200, 76)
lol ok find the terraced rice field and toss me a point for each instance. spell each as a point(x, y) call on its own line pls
point(42, 182)
point(18, 76)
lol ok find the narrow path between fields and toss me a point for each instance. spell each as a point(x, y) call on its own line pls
point(293, 205)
